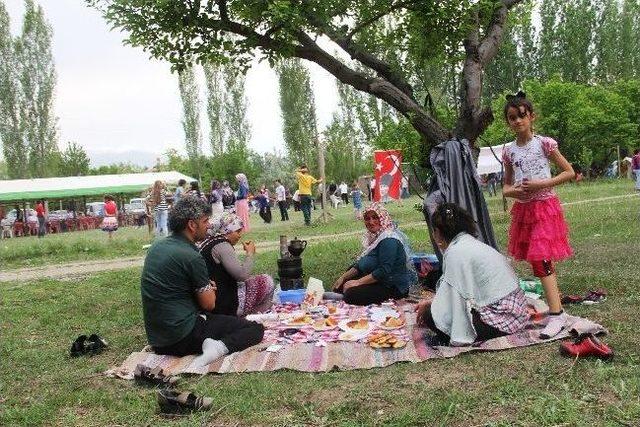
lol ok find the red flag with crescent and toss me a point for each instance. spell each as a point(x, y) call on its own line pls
point(388, 174)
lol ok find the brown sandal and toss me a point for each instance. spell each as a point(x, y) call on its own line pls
point(173, 402)
point(155, 377)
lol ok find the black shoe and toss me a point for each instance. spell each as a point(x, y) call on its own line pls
point(173, 402)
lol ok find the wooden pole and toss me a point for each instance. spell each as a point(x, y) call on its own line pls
point(324, 216)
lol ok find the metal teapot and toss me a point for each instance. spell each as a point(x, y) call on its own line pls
point(296, 247)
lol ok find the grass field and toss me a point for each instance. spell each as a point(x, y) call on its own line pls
point(41, 385)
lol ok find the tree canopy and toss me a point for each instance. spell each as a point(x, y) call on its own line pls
point(392, 41)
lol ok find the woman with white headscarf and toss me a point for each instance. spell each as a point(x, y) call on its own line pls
point(383, 270)
point(242, 204)
point(238, 292)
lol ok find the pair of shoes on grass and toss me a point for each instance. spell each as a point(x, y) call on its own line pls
point(170, 400)
point(586, 345)
point(91, 345)
point(592, 297)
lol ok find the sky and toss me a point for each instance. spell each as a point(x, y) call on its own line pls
point(120, 105)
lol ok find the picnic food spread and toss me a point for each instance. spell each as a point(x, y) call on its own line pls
point(333, 321)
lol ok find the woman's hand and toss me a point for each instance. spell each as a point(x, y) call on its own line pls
point(421, 309)
point(350, 284)
point(249, 247)
point(338, 284)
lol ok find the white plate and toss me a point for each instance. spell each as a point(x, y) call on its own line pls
point(388, 328)
point(344, 327)
point(351, 337)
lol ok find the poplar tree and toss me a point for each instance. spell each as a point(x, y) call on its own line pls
point(38, 79)
point(235, 120)
point(297, 105)
point(191, 117)
point(215, 105)
point(14, 146)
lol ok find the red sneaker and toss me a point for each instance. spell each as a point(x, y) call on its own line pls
point(585, 346)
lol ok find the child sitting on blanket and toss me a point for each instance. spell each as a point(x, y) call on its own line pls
point(478, 296)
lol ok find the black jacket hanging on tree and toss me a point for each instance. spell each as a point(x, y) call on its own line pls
point(455, 180)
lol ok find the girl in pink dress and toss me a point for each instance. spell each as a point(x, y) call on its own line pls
point(538, 232)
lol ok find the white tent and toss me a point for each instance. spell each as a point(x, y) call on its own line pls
point(78, 186)
point(487, 162)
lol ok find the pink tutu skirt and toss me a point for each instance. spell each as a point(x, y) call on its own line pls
point(109, 223)
point(538, 231)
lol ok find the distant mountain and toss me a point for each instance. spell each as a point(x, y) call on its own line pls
point(138, 158)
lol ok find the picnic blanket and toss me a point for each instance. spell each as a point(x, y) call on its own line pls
point(339, 355)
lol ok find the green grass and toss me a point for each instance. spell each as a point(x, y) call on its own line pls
point(40, 385)
point(128, 241)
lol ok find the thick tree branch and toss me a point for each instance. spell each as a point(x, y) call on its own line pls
point(491, 42)
point(373, 19)
point(356, 52)
point(378, 87)
point(429, 128)
point(474, 119)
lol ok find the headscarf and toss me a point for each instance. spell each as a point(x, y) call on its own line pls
point(215, 184)
point(242, 180)
point(224, 224)
point(388, 229)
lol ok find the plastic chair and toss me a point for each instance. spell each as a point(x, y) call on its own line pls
point(6, 232)
point(18, 228)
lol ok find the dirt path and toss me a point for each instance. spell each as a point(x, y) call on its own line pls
point(78, 269)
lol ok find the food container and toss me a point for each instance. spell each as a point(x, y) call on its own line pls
point(424, 263)
point(294, 296)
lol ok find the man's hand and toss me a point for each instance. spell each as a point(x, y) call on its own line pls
point(249, 247)
point(421, 309)
point(338, 284)
point(350, 284)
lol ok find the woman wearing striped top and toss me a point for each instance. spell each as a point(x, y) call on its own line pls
point(158, 200)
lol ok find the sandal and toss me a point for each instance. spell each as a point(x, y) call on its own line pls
point(173, 402)
point(572, 299)
point(595, 297)
point(145, 376)
point(94, 344)
point(78, 346)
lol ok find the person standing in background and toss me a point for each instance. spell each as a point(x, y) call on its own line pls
point(40, 212)
point(179, 190)
point(305, 181)
point(281, 199)
point(242, 203)
point(344, 192)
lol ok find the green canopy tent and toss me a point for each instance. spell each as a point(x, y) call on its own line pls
point(21, 190)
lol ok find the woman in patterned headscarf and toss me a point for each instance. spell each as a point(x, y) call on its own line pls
point(383, 270)
point(242, 204)
point(238, 292)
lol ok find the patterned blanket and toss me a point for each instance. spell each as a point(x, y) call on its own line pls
point(311, 352)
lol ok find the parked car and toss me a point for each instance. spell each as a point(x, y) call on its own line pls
point(136, 206)
point(12, 214)
point(95, 209)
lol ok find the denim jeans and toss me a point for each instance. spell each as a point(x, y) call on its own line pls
point(161, 222)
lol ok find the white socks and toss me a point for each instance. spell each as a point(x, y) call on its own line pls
point(555, 325)
point(211, 350)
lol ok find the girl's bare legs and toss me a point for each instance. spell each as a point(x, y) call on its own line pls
point(551, 292)
point(557, 317)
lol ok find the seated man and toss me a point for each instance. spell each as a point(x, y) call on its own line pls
point(178, 297)
point(384, 269)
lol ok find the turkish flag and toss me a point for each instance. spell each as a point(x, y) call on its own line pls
point(388, 174)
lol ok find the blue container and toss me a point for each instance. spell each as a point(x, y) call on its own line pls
point(432, 259)
point(295, 296)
